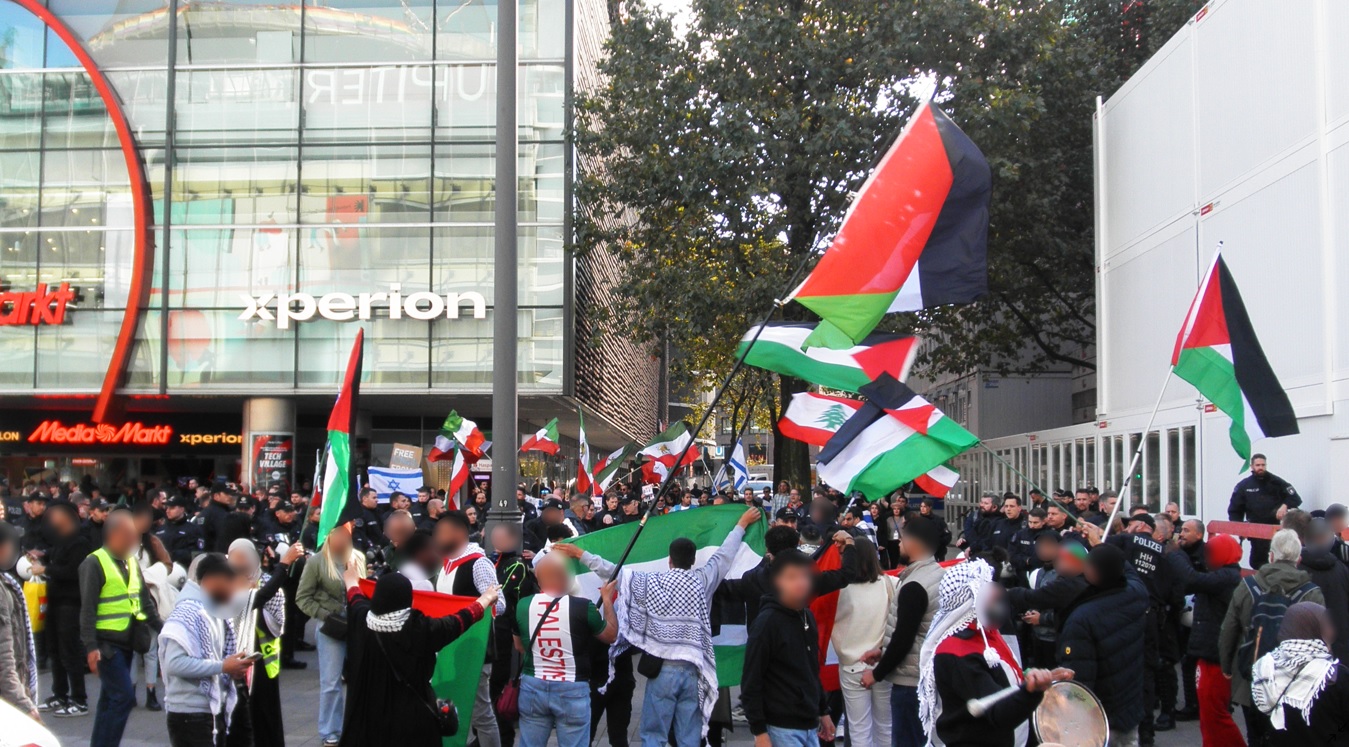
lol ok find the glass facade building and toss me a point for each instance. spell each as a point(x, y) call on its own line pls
point(302, 149)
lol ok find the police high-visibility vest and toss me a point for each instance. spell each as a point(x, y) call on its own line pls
point(120, 599)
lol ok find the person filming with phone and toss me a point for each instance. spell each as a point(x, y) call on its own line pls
point(199, 654)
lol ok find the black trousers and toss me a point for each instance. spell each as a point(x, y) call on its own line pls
point(1189, 681)
point(1257, 726)
point(1151, 664)
point(293, 633)
point(241, 721)
point(615, 705)
point(196, 730)
point(67, 652)
point(1259, 553)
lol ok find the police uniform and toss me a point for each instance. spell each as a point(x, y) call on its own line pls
point(1257, 499)
point(1145, 554)
point(183, 539)
point(367, 531)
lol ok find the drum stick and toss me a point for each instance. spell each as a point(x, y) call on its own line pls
point(979, 706)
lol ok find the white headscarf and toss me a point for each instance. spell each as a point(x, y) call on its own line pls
point(960, 595)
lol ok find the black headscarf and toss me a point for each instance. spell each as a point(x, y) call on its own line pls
point(393, 592)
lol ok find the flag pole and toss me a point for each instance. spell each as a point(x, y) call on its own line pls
point(1138, 454)
point(740, 435)
point(702, 422)
point(308, 509)
point(1048, 496)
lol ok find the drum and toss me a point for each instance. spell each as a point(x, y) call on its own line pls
point(1071, 716)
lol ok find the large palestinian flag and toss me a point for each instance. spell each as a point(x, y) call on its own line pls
point(1217, 351)
point(915, 237)
point(339, 482)
point(781, 348)
point(707, 527)
point(458, 665)
point(896, 437)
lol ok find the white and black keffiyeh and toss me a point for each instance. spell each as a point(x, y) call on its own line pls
point(204, 636)
point(961, 588)
point(28, 627)
point(389, 622)
point(1294, 675)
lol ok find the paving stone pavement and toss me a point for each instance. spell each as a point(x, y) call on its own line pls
point(300, 698)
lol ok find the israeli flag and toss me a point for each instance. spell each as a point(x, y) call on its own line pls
point(386, 482)
point(736, 466)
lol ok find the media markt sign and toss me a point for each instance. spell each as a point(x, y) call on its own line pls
point(284, 308)
point(45, 305)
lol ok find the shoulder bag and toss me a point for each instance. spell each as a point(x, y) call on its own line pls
point(508, 702)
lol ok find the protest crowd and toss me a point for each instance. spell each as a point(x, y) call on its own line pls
point(193, 598)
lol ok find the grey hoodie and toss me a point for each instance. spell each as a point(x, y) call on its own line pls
point(191, 682)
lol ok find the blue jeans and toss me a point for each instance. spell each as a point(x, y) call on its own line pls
point(116, 697)
point(783, 737)
point(672, 698)
point(906, 729)
point(546, 705)
point(332, 698)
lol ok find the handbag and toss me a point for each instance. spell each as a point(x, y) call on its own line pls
point(508, 702)
point(446, 715)
point(334, 625)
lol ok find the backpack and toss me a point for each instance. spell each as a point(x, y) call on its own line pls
point(1267, 611)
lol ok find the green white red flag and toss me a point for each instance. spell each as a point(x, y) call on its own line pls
point(339, 483)
point(915, 237)
point(585, 482)
point(663, 451)
point(783, 348)
point(1217, 351)
point(607, 468)
point(544, 439)
point(458, 432)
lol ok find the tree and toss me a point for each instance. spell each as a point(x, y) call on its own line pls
point(732, 148)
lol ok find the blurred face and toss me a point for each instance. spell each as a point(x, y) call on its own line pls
point(449, 537)
point(793, 586)
point(1191, 534)
point(1046, 551)
point(143, 521)
point(219, 587)
point(63, 523)
point(121, 537)
point(1138, 527)
point(174, 513)
point(1011, 509)
point(1258, 466)
point(340, 541)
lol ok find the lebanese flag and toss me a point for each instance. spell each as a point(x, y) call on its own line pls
point(896, 437)
point(339, 488)
point(461, 433)
point(924, 208)
point(938, 481)
point(585, 482)
point(1217, 351)
point(782, 348)
point(815, 418)
point(664, 449)
point(544, 439)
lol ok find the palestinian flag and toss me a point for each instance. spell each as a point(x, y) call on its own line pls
point(665, 448)
point(815, 418)
point(781, 348)
point(1217, 351)
point(707, 527)
point(458, 665)
point(458, 432)
point(339, 480)
point(825, 609)
point(585, 483)
point(544, 439)
point(606, 469)
point(938, 481)
point(915, 237)
point(896, 437)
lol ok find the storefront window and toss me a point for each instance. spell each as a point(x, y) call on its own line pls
point(239, 31)
point(245, 186)
point(19, 190)
point(367, 30)
point(354, 258)
point(215, 267)
point(356, 184)
point(119, 33)
point(241, 107)
point(395, 352)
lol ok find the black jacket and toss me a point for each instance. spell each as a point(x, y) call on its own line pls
point(1257, 499)
point(182, 539)
point(1021, 550)
point(1212, 592)
point(1055, 596)
point(756, 585)
point(966, 675)
point(1102, 642)
point(781, 681)
point(212, 526)
point(63, 568)
point(1329, 718)
point(1004, 530)
point(1332, 576)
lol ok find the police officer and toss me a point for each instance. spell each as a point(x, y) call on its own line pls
point(367, 532)
point(1145, 554)
point(1261, 498)
point(214, 516)
point(180, 535)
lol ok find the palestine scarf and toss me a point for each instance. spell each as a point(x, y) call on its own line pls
point(28, 627)
point(1294, 674)
point(194, 628)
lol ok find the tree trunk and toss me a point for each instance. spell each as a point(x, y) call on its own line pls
point(791, 458)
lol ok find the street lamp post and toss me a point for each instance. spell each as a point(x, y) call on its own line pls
point(505, 285)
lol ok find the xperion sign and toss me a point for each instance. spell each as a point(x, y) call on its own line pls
point(38, 307)
point(344, 307)
point(138, 288)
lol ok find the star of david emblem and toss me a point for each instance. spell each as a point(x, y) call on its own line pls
point(394, 485)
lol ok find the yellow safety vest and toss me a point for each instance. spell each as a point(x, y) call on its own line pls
point(270, 648)
point(120, 600)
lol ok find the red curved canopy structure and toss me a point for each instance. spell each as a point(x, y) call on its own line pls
point(105, 407)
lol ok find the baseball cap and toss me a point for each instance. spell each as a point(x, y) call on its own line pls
point(100, 505)
point(178, 501)
point(1145, 518)
point(785, 514)
point(553, 503)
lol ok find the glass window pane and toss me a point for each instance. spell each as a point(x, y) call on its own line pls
point(22, 39)
point(360, 259)
point(1173, 471)
point(541, 192)
point(216, 349)
point(216, 268)
point(540, 352)
point(464, 263)
point(1152, 471)
point(17, 355)
point(118, 33)
point(19, 187)
point(396, 352)
point(20, 101)
point(252, 106)
point(466, 29)
point(367, 30)
point(75, 355)
point(87, 260)
point(215, 186)
point(364, 104)
point(349, 185)
point(76, 116)
point(461, 352)
point(543, 29)
point(144, 95)
point(238, 31)
point(1189, 502)
point(542, 95)
point(467, 102)
point(86, 189)
point(465, 179)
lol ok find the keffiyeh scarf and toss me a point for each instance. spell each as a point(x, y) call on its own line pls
point(959, 593)
point(194, 628)
point(1294, 674)
point(28, 626)
point(389, 622)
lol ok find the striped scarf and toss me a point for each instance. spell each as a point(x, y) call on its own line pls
point(28, 628)
point(1293, 675)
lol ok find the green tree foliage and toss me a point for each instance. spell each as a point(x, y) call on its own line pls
point(730, 150)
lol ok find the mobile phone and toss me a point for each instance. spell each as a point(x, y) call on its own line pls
point(255, 656)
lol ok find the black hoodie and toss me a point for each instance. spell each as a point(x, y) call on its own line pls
point(1332, 576)
point(781, 681)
